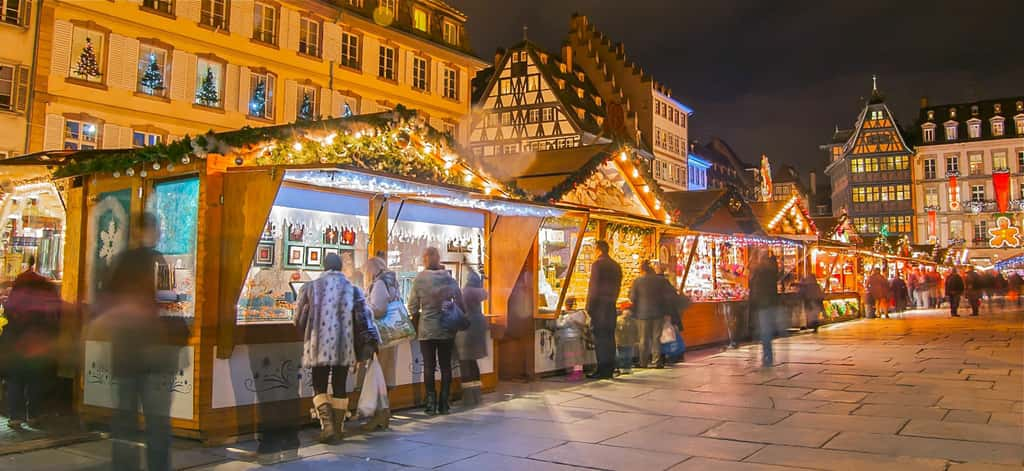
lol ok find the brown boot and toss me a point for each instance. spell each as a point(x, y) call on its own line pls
point(322, 406)
point(381, 420)
point(340, 406)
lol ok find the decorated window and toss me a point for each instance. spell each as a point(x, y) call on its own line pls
point(209, 83)
point(420, 19)
point(1020, 125)
point(307, 102)
point(929, 169)
point(931, 197)
point(88, 55)
point(956, 229)
point(80, 134)
point(976, 163)
point(214, 13)
point(162, 6)
point(557, 242)
point(450, 33)
point(419, 73)
point(309, 37)
point(152, 71)
point(951, 132)
point(974, 129)
point(261, 95)
point(145, 139)
point(175, 202)
point(386, 65)
point(350, 56)
point(981, 231)
point(998, 126)
point(265, 23)
point(999, 161)
point(978, 193)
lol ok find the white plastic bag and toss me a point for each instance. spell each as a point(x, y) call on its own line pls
point(374, 394)
point(668, 333)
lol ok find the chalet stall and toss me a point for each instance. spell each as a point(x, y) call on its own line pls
point(247, 217)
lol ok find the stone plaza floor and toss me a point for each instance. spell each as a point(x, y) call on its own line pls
point(923, 392)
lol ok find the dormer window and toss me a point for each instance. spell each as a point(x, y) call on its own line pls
point(974, 128)
point(931, 115)
point(974, 110)
point(579, 92)
point(952, 113)
point(998, 126)
point(597, 100)
point(563, 68)
point(1019, 120)
point(580, 76)
point(876, 115)
point(928, 132)
point(951, 131)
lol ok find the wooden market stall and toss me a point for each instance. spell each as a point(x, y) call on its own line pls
point(247, 217)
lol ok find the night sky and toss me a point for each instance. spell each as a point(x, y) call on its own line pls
point(776, 77)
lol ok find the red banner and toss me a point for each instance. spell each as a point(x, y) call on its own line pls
point(931, 224)
point(954, 194)
point(1001, 182)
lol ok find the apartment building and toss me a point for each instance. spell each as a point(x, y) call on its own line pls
point(17, 34)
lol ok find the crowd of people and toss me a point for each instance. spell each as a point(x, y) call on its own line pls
point(926, 289)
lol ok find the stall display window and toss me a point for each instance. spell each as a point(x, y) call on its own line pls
point(176, 205)
point(457, 234)
point(33, 226)
point(305, 225)
point(556, 241)
point(718, 272)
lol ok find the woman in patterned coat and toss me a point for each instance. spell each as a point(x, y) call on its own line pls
point(338, 331)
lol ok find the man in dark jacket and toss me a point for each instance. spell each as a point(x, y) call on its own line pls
point(651, 303)
point(605, 283)
point(975, 287)
point(1015, 283)
point(954, 290)
point(764, 303)
point(33, 310)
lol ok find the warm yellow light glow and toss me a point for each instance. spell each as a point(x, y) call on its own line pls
point(468, 178)
point(657, 204)
point(623, 156)
point(329, 140)
point(297, 146)
point(647, 189)
point(636, 173)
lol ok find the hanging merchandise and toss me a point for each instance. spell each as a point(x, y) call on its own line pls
point(152, 80)
point(207, 94)
point(954, 194)
point(87, 66)
point(1001, 184)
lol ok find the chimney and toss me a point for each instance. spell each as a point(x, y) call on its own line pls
point(814, 182)
point(567, 55)
point(498, 54)
point(924, 102)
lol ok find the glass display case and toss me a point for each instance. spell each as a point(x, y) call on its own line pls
point(175, 202)
point(33, 225)
point(556, 242)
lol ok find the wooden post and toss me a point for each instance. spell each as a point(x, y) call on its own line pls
point(571, 268)
point(378, 226)
point(714, 266)
point(689, 262)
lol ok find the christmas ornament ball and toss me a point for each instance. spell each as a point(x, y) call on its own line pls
point(117, 174)
point(239, 161)
point(402, 139)
point(143, 173)
point(156, 165)
point(185, 160)
point(130, 172)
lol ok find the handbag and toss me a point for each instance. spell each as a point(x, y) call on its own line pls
point(452, 317)
point(396, 326)
point(373, 395)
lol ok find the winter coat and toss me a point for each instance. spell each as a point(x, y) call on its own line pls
point(383, 291)
point(650, 297)
point(898, 290)
point(974, 284)
point(878, 287)
point(764, 287)
point(954, 285)
point(471, 344)
point(1015, 282)
point(337, 324)
point(430, 289)
point(33, 311)
point(603, 292)
point(626, 334)
point(810, 293)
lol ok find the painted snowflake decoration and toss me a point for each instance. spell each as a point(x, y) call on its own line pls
point(109, 242)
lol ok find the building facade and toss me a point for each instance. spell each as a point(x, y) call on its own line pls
point(697, 172)
point(870, 171)
point(17, 34)
point(727, 169)
point(969, 177)
point(123, 74)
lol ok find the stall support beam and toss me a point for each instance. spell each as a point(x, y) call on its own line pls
point(378, 226)
point(689, 262)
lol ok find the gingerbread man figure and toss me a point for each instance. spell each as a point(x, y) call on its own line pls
point(1004, 234)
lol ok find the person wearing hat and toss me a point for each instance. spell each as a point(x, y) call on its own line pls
point(338, 330)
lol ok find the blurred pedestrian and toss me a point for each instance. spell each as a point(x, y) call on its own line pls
point(878, 286)
point(764, 303)
point(999, 287)
point(954, 290)
point(471, 344)
point(898, 293)
point(32, 310)
point(145, 350)
point(1015, 283)
point(431, 288)
point(811, 299)
point(338, 331)
point(975, 286)
point(651, 303)
point(988, 286)
point(625, 341)
point(602, 294)
point(384, 290)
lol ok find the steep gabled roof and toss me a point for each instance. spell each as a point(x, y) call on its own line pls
point(719, 210)
point(983, 110)
point(877, 102)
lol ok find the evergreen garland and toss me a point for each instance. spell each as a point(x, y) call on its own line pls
point(628, 230)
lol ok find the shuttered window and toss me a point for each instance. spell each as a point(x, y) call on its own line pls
point(13, 88)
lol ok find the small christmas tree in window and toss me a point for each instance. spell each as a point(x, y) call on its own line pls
point(258, 103)
point(207, 94)
point(347, 112)
point(306, 107)
point(87, 66)
point(152, 80)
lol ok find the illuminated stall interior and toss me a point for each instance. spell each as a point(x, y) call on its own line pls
point(33, 225)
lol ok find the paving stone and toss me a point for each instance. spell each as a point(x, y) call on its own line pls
point(48, 459)
point(684, 426)
point(773, 434)
point(965, 416)
point(796, 383)
point(735, 414)
point(799, 405)
point(964, 431)
point(835, 460)
point(684, 445)
point(330, 461)
point(844, 422)
point(982, 467)
point(910, 399)
point(835, 396)
point(968, 403)
point(493, 462)
point(1007, 418)
point(897, 411)
point(429, 456)
point(740, 400)
point(756, 390)
point(899, 445)
point(229, 466)
point(702, 464)
point(837, 408)
point(609, 457)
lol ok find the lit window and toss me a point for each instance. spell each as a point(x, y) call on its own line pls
point(981, 231)
point(88, 55)
point(533, 115)
point(209, 83)
point(419, 19)
point(951, 132)
point(350, 50)
point(450, 33)
point(929, 134)
point(163, 6)
point(998, 127)
point(978, 193)
point(929, 169)
point(999, 161)
point(548, 114)
point(952, 165)
point(386, 64)
point(152, 71)
point(356, 3)
point(14, 12)
point(974, 129)
point(956, 228)
point(265, 23)
point(448, 128)
point(419, 73)
point(214, 13)
point(144, 139)
point(307, 103)
point(80, 135)
point(506, 118)
point(1020, 125)
point(1020, 164)
point(261, 95)
point(309, 37)
point(533, 83)
point(931, 197)
point(451, 84)
point(13, 88)
point(877, 115)
point(976, 164)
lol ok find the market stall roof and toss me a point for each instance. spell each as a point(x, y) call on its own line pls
point(719, 210)
point(1015, 262)
point(788, 218)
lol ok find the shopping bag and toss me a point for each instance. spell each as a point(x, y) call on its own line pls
point(374, 394)
point(668, 333)
point(396, 326)
point(674, 348)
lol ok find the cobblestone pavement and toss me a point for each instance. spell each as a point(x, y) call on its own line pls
point(925, 392)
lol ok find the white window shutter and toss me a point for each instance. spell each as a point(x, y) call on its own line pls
point(437, 78)
point(290, 21)
point(291, 92)
point(243, 90)
point(241, 17)
point(370, 55)
point(179, 64)
point(131, 63)
point(53, 135)
point(326, 102)
point(191, 62)
point(61, 57)
point(111, 138)
point(115, 61)
point(332, 42)
point(231, 88)
point(126, 137)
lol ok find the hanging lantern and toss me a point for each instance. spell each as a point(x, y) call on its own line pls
point(143, 173)
point(117, 174)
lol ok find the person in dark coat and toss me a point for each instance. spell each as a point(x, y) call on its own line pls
point(471, 344)
point(999, 287)
point(954, 290)
point(811, 299)
point(878, 287)
point(32, 310)
point(898, 292)
point(651, 303)
point(975, 285)
point(1015, 283)
point(603, 292)
point(764, 303)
